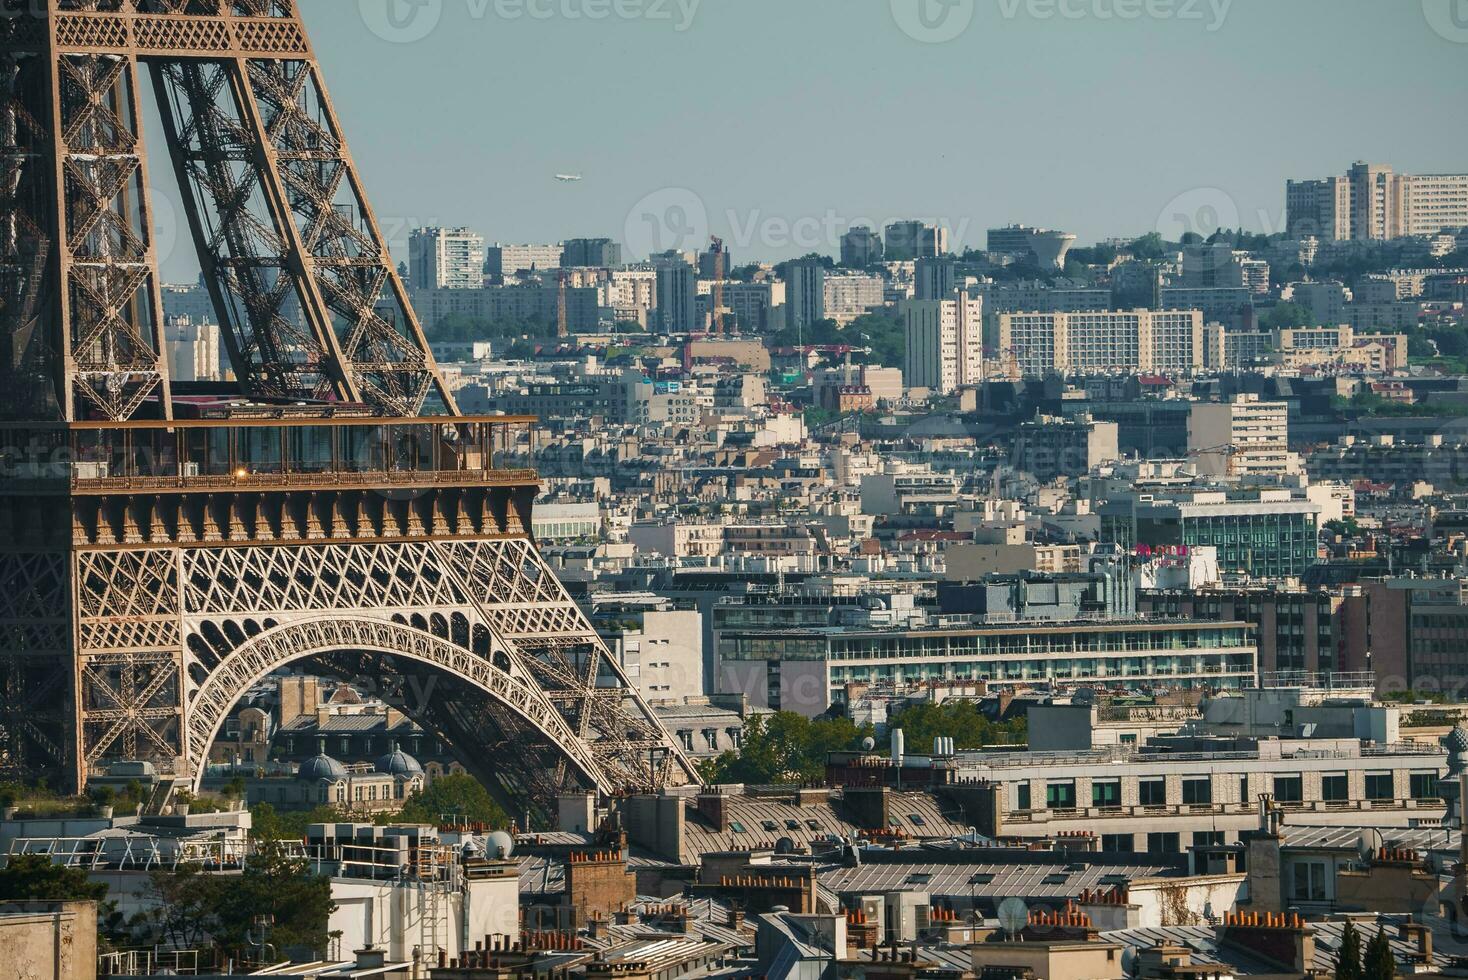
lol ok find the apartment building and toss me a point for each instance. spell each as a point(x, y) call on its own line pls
point(906, 240)
point(1047, 447)
point(445, 258)
point(846, 297)
point(1241, 437)
point(1036, 344)
point(1371, 203)
point(756, 306)
point(594, 252)
point(508, 262)
point(861, 247)
point(945, 343)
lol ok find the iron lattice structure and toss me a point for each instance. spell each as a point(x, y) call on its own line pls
point(155, 564)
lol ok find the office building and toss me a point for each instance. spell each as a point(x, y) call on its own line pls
point(677, 307)
point(1036, 344)
point(1372, 203)
point(1264, 533)
point(594, 252)
point(945, 343)
point(907, 240)
point(807, 670)
point(861, 247)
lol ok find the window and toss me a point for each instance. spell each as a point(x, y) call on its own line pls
point(1022, 796)
point(1106, 792)
point(737, 827)
point(813, 825)
point(1335, 787)
point(1288, 789)
point(1309, 881)
point(1060, 796)
point(917, 819)
point(1058, 878)
point(792, 824)
point(1128, 738)
point(919, 878)
point(769, 825)
point(1119, 843)
point(1207, 838)
point(1424, 785)
point(1379, 786)
point(1152, 792)
point(982, 878)
point(1197, 791)
point(1165, 843)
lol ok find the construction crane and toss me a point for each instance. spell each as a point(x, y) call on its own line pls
point(1228, 451)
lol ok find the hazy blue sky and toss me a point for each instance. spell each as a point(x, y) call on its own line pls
point(1102, 117)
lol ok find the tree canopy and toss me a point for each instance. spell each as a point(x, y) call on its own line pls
point(784, 748)
point(35, 878)
point(456, 796)
point(961, 721)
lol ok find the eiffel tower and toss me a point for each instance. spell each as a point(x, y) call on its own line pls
point(166, 546)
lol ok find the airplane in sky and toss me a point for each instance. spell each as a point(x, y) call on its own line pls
point(568, 178)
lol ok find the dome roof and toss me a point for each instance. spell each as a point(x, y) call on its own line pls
point(398, 763)
point(321, 766)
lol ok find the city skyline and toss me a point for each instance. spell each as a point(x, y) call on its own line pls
point(830, 71)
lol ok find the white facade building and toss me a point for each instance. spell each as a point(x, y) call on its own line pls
point(945, 343)
point(445, 258)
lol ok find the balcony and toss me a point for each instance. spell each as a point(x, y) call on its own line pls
point(305, 452)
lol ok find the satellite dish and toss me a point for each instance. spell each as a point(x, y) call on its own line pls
point(1366, 845)
point(868, 744)
point(1014, 915)
point(499, 845)
point(1129, 961)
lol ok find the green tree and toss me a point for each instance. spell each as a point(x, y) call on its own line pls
point(784, 748)
point(455, 795)
point(281, 888)
point(959, 720)
point(1348, 962)
point(184, 906)
point(35, 878)
point(1148, 246)
point(1285, 315)
point(1379, 963)
point(269, 825)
